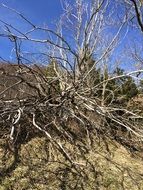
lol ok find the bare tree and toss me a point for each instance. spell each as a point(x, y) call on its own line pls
point(76, 111)
point(135, 7)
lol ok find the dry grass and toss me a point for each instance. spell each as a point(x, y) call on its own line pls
point(106, 165)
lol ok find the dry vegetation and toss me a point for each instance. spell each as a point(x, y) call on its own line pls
point(71, 124)
point(107, 165)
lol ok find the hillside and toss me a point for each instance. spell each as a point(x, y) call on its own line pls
point(53, 140)
point(71, 95)
point(105, 166)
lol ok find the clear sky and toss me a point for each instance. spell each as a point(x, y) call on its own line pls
point(38, 11)
point(47, 12)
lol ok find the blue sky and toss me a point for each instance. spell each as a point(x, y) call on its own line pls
point(35, 10)
point(47, 12)
point(39, 12)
